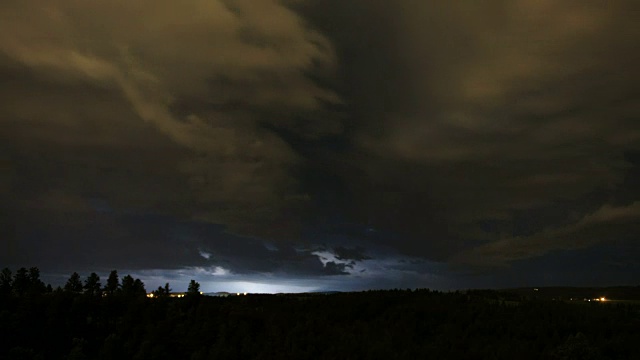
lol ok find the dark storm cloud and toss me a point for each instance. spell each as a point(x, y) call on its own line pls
point(110, 83)
point(241, 255)
point(68, 240)
point(469, 114)
point(607, 224)
point(89, 235)
point(345, 253)
point(480, 134)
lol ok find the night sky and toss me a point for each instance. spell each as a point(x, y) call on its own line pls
point(308, 145)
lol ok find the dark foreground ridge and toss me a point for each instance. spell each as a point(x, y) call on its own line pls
point(79, 323)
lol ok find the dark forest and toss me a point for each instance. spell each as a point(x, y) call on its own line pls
point(119, 320)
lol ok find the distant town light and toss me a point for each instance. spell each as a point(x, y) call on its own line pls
point(602, 299)
point(245, 293)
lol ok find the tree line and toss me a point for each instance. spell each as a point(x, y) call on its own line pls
point(27, 282)
point(86, 319)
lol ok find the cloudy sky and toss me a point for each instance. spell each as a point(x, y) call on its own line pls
point(303, 145)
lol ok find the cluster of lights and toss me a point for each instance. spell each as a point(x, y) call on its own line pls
point(150, 295)
point(601, 299)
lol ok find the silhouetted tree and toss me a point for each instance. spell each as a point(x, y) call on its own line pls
point(138, 288)
point(162, 291)
point(131, 287)
point(194, 288)
point(6, 281)
point(159, 292)
point(36, 286)
point(113, 283)
point(21, 281)
point(128, 285)
point(92, 285)
point(74, 284)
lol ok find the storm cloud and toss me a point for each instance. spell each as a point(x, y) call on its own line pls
point(363, 141)
point(480, 113)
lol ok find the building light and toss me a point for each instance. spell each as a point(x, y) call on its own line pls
point(245, 293)
point(602, 299)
